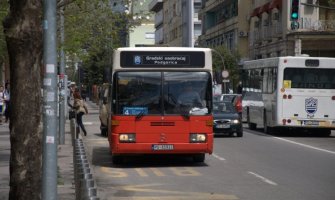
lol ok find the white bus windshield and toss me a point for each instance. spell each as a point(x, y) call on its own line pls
point(158, 93)
point(316, 78)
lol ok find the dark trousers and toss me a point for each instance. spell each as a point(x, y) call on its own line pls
point(80, 122)
point(7, 111)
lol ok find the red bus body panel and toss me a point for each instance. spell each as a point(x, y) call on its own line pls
point(151, 130)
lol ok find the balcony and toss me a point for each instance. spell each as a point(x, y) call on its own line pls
point(266, 33)
point(308, 24)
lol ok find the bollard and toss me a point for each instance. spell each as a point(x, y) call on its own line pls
point(88, 191)
point(94, 198)
point(85, 181)
point(79, 168)
point(82, 173)
point(72, 130)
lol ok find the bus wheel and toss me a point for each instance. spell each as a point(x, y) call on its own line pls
point(325, 132)
point(266, 128)
point(199, 157)
point(251, 126)
point(116, 159)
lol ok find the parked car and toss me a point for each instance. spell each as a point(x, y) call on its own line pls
point(226, 119)
point(103, 110)
point(235, 99)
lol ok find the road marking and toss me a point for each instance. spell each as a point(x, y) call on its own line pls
point(218, 157)
point(305, 145)
point(88, 123)
point(263, 178)
point(172, 194)
point(185, 171)
point(121, 173)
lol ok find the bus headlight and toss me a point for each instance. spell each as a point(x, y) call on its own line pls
point(198, 137)
point(127, 137)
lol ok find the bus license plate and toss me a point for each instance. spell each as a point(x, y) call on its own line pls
point(310, 123)
point(162, 147)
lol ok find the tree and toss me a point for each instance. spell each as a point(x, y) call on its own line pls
point(24, 40)
point(92, 31)
point(3, 48)
point(230, 60)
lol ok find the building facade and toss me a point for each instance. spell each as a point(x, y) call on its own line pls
point(143, 33)
point(273, 32)
point(171, 21)
point(225, 23)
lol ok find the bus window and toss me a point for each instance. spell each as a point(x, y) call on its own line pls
point(138, 92)
point(310, 78)
point(186, 90)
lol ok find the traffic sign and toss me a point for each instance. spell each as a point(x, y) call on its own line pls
point(225, 74)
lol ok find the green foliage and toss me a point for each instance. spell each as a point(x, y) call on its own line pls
point(92, 31)
point(4, 6)
point(230, 59)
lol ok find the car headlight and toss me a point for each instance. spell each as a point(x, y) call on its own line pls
point(127, 137)
point(236, 121)
point(198, 137)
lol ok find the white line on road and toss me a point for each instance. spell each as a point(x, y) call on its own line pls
point(263, 178)
point(305, 145)
point(218, 157)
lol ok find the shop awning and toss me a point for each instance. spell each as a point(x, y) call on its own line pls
point(266, 7)
point(275, 4)
point(255, 12)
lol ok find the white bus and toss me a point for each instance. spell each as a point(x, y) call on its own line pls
point(295, 92)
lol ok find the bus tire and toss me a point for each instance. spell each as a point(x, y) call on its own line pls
point(325, 132)
point(116, 159)
point(199, 157)
point(251, 126)
point(266, 128)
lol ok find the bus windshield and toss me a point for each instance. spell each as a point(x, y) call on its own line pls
point(319, 78)
point(162, 93)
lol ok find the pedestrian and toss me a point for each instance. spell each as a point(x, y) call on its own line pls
point(2, 102)
point(80, 108)
point(7, 101)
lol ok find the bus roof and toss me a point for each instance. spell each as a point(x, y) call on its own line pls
point(296, 61)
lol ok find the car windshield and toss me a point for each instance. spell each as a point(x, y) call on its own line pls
point(228, 97)
point(158, 93)
point(223, 107)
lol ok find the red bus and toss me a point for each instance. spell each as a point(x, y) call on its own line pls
point(161, 102)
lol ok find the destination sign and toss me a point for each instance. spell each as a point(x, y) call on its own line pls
point(133, 59)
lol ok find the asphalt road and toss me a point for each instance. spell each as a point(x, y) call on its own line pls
point(254, 167)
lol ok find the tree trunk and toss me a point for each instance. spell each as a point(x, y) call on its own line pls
point(23, 30)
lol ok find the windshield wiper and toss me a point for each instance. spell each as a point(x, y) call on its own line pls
point(139, 116)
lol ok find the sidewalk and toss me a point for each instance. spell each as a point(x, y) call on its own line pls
point(66, 189)
point(4, 161)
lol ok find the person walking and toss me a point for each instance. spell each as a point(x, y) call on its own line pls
point(80, 108)
point(2, 102)
point(7, 101)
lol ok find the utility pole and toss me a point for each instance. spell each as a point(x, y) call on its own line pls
point(63, 97)
point(187, 22)
point(49, 177)
point(224, 73)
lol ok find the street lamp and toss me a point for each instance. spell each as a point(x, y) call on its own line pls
point(225, 73)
